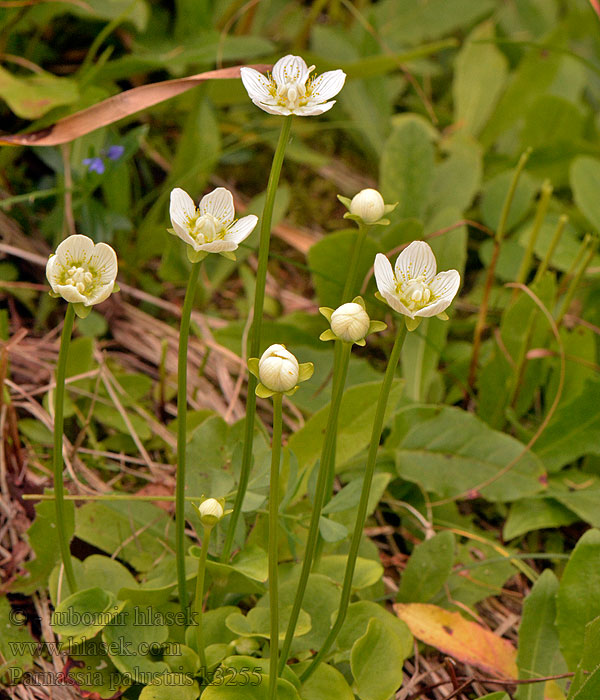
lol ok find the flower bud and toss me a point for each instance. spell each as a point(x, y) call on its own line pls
point(278, 369)
point(350, 322)
point(211, 511)
point(369, 205)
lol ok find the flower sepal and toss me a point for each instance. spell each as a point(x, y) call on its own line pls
point(195, 256)
point(81, 310)
point(412, 323)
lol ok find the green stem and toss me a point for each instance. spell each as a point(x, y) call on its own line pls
point(556, 236)
point(254, 346)
point(320, 493)
point(184, 332)
point(593, 246)
point(273, 544)
point(349, 293)
point(199, 597)
point(350, 285)
point(364, 501)
point(57, 456)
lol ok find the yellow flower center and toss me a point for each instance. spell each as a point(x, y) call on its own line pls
point(80, 278)
point(206, 228)
point(415, 293)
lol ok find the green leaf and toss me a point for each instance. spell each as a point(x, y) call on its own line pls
point(134, 640)
point(43, 540)
point(449, 451)
point(562, 122)
point(357, 620)
point(406, 170)
point(578, 598)
point(83, 614)
point(257, 623)
point(356, 415)
point(332, 531)
point(349, 496)
point(573, 431)
point(530, 514)
point(33, 96)
point(585, 181)
point(479, 78)
point(236, 687)
point(141, 532)
point(586, 682)
point(427, 569)
point(95, 571)
point(247, 573)
point(539, 653)
point(494, 195)
point(171, 686)
point(366, 573)
point(328, 261)
point(95, 672)
point(324, 684)
point(15, 658)
point(376, 678)
point(456, 181)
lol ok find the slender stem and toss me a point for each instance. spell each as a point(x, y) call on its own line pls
point(349, 292)
point(556, 236)
point(254, 346)
point(482, 316)
point(184, 332)
point(350, 285)
point(364, 500)
point(540, 215)
point(273, 544)
point(593, 246)
point(57, 456)
point(199, 597)
point(320, 493)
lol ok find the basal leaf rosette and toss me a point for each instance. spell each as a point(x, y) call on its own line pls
point(82, 272)
point(350, 322)
point(211, 226)
point(413, 288)
point(291, 90)
point(278, 371)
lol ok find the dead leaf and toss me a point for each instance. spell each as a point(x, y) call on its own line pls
point(117, 107)
point(466, 641)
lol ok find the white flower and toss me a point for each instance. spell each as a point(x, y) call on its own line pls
point(210, 511)
point(369, 205)
point(81, 272)
point(278, 371)
point(210, 227)
point(290, 90)
point(413, 288)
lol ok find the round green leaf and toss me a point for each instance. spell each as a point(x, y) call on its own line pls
point(171, 686)
point(83, 614)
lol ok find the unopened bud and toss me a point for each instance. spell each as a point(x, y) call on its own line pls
point(369, 205)
point(350, 322)
point(278, 369)
point(211, 511)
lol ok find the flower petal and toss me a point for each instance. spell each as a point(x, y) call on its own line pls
point(219, 246)
point(53, 272)
point(104, 260)
point(241, 229)
point(181, 208)
point(274, 109)
point(313, 110)
point(327, 85)
point(290, 68)
point(75, 250)
point(416, 260)
point(218, 203)
point(256, 84)
point(444, 287)
point(100, 294)
point(386, 284)
point(69, 293)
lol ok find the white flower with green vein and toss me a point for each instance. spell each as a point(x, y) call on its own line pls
point(82, 273)
point(291, 90)
point(413, 288)
point(211, 226)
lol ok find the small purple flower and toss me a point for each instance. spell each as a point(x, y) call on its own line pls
point(115, 152)
point(94, 164)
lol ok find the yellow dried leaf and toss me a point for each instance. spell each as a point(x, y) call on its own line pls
point(466, 641)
